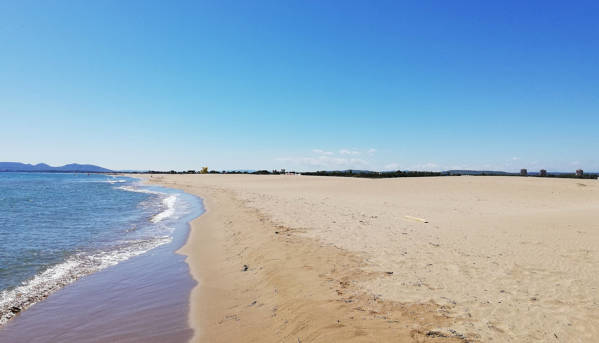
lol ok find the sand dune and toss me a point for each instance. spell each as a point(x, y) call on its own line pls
point(503, 259)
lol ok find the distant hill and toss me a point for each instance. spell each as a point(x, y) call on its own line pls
point(42, 167)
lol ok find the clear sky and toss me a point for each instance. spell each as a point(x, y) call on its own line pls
point(301, 85)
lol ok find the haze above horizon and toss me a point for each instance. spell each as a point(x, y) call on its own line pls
point(301, 85)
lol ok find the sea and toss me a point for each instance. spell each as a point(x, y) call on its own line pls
point(93, 246)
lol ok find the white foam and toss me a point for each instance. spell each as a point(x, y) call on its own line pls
point(75, 267)
point(137, 190)
point(169, 202)
point(102, 181)
point(116, 181)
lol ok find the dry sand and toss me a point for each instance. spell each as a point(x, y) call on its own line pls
point(504, 259)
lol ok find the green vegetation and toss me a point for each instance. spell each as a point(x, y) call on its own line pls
point(573, 176)
point(380, 175)
point(374, 175)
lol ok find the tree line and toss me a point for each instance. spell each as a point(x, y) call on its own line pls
point(372, 174)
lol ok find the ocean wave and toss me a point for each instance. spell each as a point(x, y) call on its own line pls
point(101, 181)
point(169, 202)
point(138, 190)
point(52, 279)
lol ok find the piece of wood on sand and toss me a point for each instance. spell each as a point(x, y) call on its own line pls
point(416, 219)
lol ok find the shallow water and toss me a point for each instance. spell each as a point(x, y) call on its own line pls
point(131, 285)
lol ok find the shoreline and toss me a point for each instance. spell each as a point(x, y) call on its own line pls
point(306, 259)
point(143, 298)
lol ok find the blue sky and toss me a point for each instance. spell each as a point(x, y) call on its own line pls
point(301, 85)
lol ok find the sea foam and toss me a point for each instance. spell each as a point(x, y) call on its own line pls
point(138, 190)
point(52, 279)
point(169, 202)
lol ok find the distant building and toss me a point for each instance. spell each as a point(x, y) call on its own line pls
point(579, 172)
point(543, 172)
point(523, 172)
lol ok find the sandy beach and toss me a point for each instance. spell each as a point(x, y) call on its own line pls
point(440, 259)
point(299, 171)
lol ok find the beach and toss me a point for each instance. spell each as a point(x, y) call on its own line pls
point(299, 171)
point(440, 259)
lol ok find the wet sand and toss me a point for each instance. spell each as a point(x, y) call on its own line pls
point(320, 259)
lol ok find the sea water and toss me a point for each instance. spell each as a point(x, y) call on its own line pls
point(58, 228)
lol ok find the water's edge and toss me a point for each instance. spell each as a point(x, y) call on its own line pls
point(144, 298)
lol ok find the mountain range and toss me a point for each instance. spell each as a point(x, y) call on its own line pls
point(42, 167)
